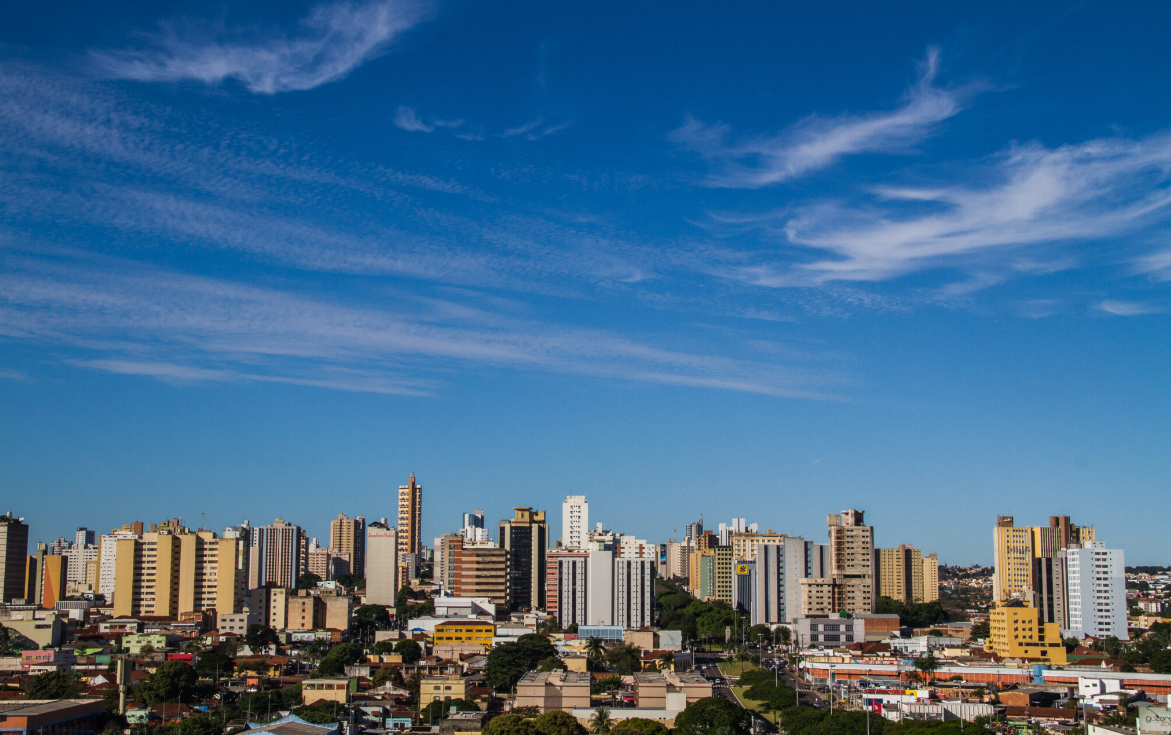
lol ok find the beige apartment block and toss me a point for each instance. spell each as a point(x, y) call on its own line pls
point(167, 574)
point(553, 690)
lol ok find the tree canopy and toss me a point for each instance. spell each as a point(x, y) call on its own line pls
point(509, 725)
point(639, 726)
point(439, 708)
point(167, 681)
point(54, 685)
point(508, 662)
point(258, 636)
point(308, 581)
point(714, 715)
point(914, 615)
point(556, 722)
point(213, 663)
point(369, 618)
point(410, 650)
point(338, 658)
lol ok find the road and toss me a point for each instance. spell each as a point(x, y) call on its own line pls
point(721, 686)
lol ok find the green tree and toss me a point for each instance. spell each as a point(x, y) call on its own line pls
point(308, 581)
point(1161, 662)
point(551, 663)
point(713, 716)
point(409, 649)
point(167, 681)
point(54, 685)
point(605, 685)
point(624, 658)
point(509, 725)
point(370, 618)
point(438, 709)
point(594, 648)
point(600, 722)
point(383, 647)
point(640, 725)
point(258, 636)
point(556, 722)
point(980, 630)
point(927, 665)
point(212, 664)
point(338, 658)
point(508, 662)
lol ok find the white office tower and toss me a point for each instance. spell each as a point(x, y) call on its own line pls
point(1096, 584)
point(575, 521)
point(778, 571)
point(739, 525)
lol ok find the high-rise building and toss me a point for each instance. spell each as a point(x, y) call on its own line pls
point(77, 558)
point(525, 537)
point(410, 524)
point(930, 578)
point(738, 525)
point(54, 572)
point(283, 551)
point(13, 557)
point(777, 570)
point(348, 536)
point(58, 547)
point(382, 565)
point(1097, 591)
point(241, 536)
point(851, 558)
point(166, 574)
point(84, 537)
point(1016, 547)
point(481, 570)
point(597, 587)
point(575, 521)
point(899, 574)
point(694, 530)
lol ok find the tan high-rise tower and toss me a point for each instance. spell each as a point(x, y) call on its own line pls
point(851, 560)
point(348, 536)
point(1030, 563)
point(410, 528)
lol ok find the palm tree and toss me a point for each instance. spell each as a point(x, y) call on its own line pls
point(594, 648)
point(666, 661)
point(927, 665)
point(600, 724)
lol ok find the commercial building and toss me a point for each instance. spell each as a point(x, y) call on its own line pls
point(347, 538)
point(410, 528)
point(777, 568)
point(525, 537)
point(442, 688)
point(13, 557)
point(328, 564)
point(52, 716)
point(551, 691)
point(744, 544)
point(575, 521)
point(1017, 631)
point(830, 631)
point(465, 631)
point(444, 571)
point(166, 574)
point(282, 551)
point(1096, 591)
point(382, 567)
point(306, 612)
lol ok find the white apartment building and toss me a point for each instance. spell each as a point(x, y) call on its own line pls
point(107, 561)
point(1096, 584)
point(382, 559)
point(575, 521)
point(603, 589)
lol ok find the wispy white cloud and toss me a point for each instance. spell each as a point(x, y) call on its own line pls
point(1030, 195)
point(522, 129)
point(407, 118)
point(818, 142)
point(333, 40)
point(1129, 308)
point(1156, 265)
point(145, 321)
point(10, 374)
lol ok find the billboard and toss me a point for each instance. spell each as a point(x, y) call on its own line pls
point(1154, 720)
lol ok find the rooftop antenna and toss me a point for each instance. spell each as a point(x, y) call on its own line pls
point(203, 519)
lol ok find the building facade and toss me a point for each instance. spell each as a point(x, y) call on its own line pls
point(525, 537)
point(347, 536)
point(1096, 591)
point(410, 527)
point(167, 574)
point(382, 565)
point(575, 521)
point(281, 554)
point(13, 557)
point(481, 570)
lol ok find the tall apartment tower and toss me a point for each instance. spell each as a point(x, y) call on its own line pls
point(382, 575)
point(1097, 591)
point(84, 537)
point(282, 556)
point(107, 556)
point(1029, 561)
point(473, 530)
point(851, 558)
point(776, 571)
point(931, 578)
point(525, 537)
point(481, 570)
point(165, 573)
point(410, 527)
point(899, 574)
point(13, 557)
point(348, 536)
point(575, 522)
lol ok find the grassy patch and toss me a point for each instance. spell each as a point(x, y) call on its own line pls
point(754, 705)
point(736, 668)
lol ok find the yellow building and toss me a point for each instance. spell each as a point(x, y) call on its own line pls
point(1015, 548)
point(450, 686)
point(906, 574)
point(931, 578)
point(465, 631)
point(724, 569)
point(1015, 631)
point(744, 544)
point(325, 690)
point(171, 573)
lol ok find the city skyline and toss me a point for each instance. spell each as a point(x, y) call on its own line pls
point(722, 260)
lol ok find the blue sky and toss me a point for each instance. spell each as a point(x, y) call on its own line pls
point(762, 260)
